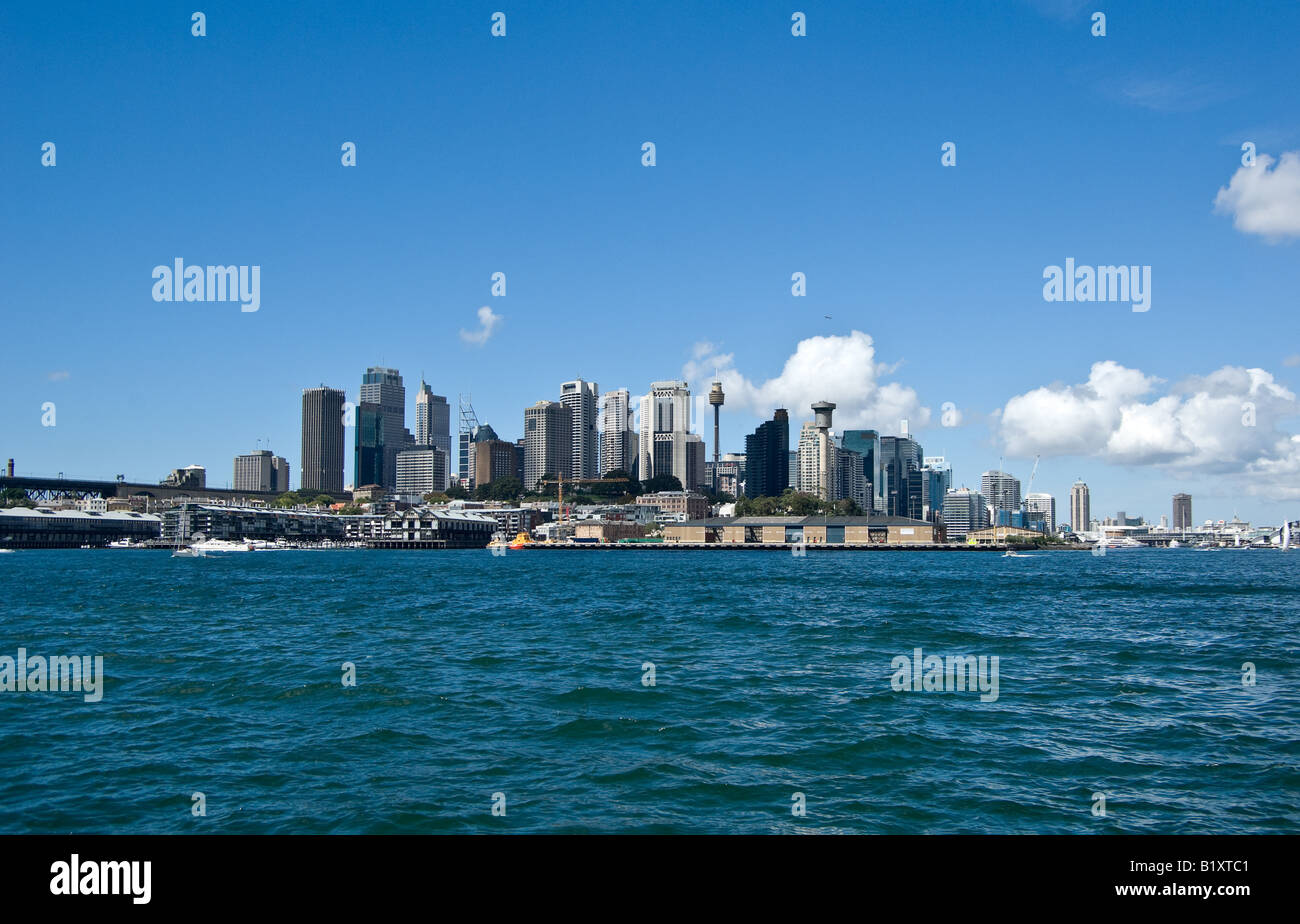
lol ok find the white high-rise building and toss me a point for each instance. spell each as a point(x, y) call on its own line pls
point(579, 396)
point(1001, 489)
point(818, 455)
point(665, 422)
point(1041, 507)
point(964, 510)
point(618, 449)
point(421, 470)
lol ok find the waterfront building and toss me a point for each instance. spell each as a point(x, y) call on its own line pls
point(665, 423)
point(1080, 507)
point(421, 470)
point(322, 440)
point(30, 528)
point(580, 397)
point(261, 471)
point(964, 510)
point(812, 531)
point(429, 528)
point(1182, 511)
point(548, 442)
point(767, 452)
point(1001, 489)
point(1041, 509)
point(618, 436)
point(683, 504)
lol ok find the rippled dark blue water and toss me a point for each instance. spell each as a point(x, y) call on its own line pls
point(522, 675)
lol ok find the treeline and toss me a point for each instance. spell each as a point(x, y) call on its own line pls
point(796, 504)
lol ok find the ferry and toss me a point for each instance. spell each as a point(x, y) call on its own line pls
point(521, 540)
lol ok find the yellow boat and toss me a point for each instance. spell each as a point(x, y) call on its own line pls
point(521, 540)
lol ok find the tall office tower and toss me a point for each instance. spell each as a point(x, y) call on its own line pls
point(866, 443)
point(767, 457)
point(579, 397)
point(493, 459)
point(716, 399)
point(1001, 490)
point(618, 438)
point(817, 455)
point(1080, 508)
point(421, 470)
point(432, 419)
point(665, 421)
point(383, 390)
point(900, 456)
point(1041, 508)
point(465, 451)
point(519, 461)
point(322, 440)
point(696, 454)
point(851, 482)
point(548, 442)
point(261, 471)
point(936, 482)
point(963, 511)
point(368, 462)
point(1182, 511)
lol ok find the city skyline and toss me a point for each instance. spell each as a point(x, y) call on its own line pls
point(695, 258)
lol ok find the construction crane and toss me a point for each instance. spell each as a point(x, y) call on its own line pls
point(561, 481)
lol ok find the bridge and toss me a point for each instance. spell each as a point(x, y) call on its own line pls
point(48, 490)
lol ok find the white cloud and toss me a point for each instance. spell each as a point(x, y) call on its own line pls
point(842, 369)
point(488, 321)
point(1199, 426)
point(1292, 360)
point(1264, 201)
point(62, 375)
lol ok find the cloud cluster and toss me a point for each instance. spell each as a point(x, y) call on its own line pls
point(842, 369)
point(1226, 422)
point(488, 321)
point(1264, 201)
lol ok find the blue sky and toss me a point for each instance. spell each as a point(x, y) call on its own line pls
point(775, 154)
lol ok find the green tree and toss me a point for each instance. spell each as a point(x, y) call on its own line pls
point(456, 492)
point(662, 483)
point(617, 489)
point(507, 488)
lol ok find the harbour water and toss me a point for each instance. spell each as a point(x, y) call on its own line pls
point(526, 675)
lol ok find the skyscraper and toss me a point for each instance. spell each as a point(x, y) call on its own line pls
point(384, 398)
point(579, 397)
point(1182, 511)
point(866, 443)
point(322, 440)
point(421, 470)
point(1001, 489)
point(964, 511)
point(818, 473)
point(767, 455)
point(465, 438)
point(548, 442)
point(432, 419)
point(261, 471)
point(1080, 508)
point(618, 439)
point(665, 421)
point(936, 482)
point(1041, 508)
point(900, 456)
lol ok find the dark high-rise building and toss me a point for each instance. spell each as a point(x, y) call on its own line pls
point(899, 457)
point(322, 440)
point(1182, 512)
point(767, 457)
point(383, 390)
point(866, 443)
point(368, 465)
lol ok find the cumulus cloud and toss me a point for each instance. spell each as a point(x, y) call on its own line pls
point(488, 321)
point(1262, 200)
point(1226, 422)
point(842, 369)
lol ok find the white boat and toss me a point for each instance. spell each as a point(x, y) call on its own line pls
point(1123, 542)
point(209, 546)
point(1013, 554)
point(6, 551)
point(187, 552)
